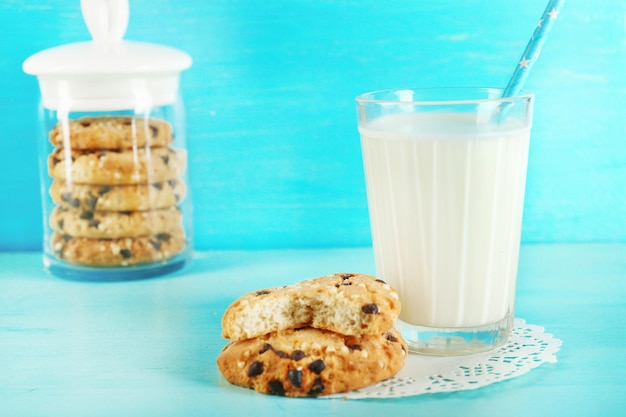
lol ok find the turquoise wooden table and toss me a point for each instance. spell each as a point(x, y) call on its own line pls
point(148, 348)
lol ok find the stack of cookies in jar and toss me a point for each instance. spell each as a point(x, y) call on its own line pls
point(117, 188)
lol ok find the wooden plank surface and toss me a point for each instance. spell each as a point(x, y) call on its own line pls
point(148, 348)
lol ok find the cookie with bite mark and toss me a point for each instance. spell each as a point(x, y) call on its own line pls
point(346, 303)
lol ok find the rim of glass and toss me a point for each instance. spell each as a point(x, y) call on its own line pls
point(369, 96)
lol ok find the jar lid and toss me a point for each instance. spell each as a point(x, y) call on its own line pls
point(107, 73)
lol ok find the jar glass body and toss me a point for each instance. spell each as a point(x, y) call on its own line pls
point(116, 198)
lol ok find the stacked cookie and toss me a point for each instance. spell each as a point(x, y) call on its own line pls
point(321, 336)
point(117, 188)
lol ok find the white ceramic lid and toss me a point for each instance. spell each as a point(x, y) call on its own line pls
point(107, 73)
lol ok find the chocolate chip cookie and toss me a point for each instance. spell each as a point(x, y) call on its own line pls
point(312, 362)
point(111, 132)
point(120, 166)
point(114, 224)
point(124, 251)
point(346, 303)
point(130, 197)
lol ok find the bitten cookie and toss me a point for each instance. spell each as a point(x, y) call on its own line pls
point(111, 132)
point(113, 167)
point(114, 224)
point(349, 304)
point(118, 197)
point(312, 362)
point(116, 252)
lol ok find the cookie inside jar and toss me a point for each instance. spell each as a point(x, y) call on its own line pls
point(115, 197)
point(117, 191)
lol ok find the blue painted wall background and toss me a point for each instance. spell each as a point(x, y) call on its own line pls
point(274, 152)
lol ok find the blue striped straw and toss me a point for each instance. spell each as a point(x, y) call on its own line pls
point(533, 49)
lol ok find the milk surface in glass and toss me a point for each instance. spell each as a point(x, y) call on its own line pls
point(446, 197)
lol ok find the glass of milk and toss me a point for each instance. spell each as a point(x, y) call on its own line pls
point(445, 172)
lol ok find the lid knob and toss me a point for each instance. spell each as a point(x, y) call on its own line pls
point(106, 19)
point(107, 73)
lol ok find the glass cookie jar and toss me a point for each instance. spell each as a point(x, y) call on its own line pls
point(116, 201)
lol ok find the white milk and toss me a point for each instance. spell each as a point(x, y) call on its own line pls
point(446, 214)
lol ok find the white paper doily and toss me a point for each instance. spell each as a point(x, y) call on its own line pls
point(528, 347)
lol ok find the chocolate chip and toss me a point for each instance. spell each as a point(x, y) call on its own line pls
point(295, 377)
point(85, 123)
point(126, 253)
point(155, 244)
point(256, 368)
point(94, 223)
point(66, 238)
point(91, 201)
point(61, 223)
point(103, 190)
point(157, 185)
point(177, 198)
point(265, 348)
point(281, 354)
point(381, 281)
point(262, 292)
point(154, 130)
point(163, 237)
point(171, 183)
point(126, 213)
point(317, 366)
point(390, 337)
point(67, 197)
point(296, 355)
point(166, 159)
point(86, 215)
point(317, 388)
point(371, 308)
point(346, 276)
point(354, 347)
point(276, 387)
